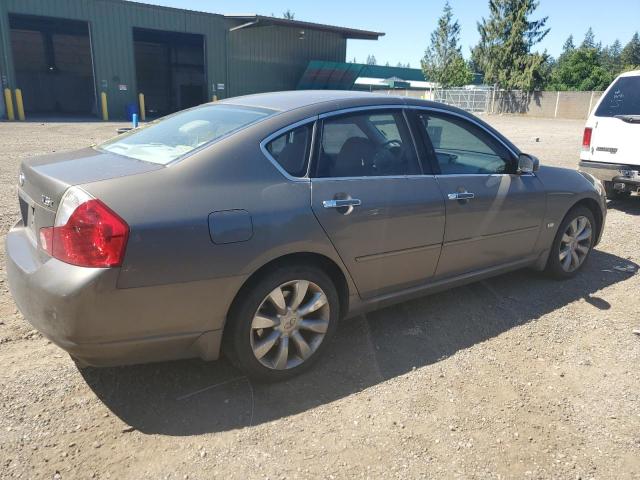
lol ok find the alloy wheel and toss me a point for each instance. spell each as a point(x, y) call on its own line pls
point(289, 325)
point(575, 244)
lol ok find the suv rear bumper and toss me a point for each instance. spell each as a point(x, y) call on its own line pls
point(612, 172)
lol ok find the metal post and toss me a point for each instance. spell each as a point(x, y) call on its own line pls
point(493, 101)
point(20, 105)
point(105, 110)
point(143, 114)
point(8, 100)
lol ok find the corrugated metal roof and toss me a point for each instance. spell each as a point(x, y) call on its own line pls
point(342, 76)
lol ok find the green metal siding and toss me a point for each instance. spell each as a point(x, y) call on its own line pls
point(111, 24)
point(273, 58)
point(250, 60)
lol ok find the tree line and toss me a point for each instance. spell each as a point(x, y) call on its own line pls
point(506, 58)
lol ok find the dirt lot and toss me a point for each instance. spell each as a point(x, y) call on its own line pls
point(515, 377)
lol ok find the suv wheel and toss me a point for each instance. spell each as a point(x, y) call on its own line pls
point(573, 243)
point(282, 324)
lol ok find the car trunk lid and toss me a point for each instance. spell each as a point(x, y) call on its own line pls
point(43, 180)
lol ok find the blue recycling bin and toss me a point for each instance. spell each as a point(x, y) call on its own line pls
point(131, 109)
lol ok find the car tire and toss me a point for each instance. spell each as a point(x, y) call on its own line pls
point(613, 194)
point(259, 331)
point(572, 246)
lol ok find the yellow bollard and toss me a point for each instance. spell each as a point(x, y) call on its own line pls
point(143, 115)
point(8, 100)
point(105, 110)
point(19, 105)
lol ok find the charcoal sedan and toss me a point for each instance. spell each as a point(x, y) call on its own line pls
point(251, 226)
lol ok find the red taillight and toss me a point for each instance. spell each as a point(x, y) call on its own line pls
point(586, 139)
point(94, 236)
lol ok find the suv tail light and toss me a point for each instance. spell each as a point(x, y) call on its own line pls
point(86, 232)
point(586, 139)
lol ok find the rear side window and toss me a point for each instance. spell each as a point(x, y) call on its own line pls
point(291, 150)
point(623, 98)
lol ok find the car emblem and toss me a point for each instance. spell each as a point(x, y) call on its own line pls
point(21, 179)
point(47, 202)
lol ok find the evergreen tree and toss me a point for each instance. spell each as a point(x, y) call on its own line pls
point(588, 67)
point(612, 57)
point(289, 15)
point(443, 62)
point(630, 56)
point(371, 60)
point(507, 38)
point(589, 39)
point(568, 45)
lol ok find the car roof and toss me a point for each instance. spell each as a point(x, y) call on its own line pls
point(291, 100)
point(315, 102)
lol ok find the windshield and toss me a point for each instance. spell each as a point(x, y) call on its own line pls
point(621, 99)
point(169, 138)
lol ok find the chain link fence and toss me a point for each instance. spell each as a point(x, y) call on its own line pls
point(574, 105)
point(471, 100)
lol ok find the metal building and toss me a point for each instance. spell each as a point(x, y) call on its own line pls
point(63, 54)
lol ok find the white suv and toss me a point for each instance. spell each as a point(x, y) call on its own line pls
point(611, 141)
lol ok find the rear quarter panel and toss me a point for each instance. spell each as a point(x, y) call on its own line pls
point(168, 211)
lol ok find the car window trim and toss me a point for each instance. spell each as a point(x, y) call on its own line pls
point(309, 154)
point(347, 111)
point(429, 147)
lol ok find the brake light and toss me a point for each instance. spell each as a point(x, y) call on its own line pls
point(86, 233)
point(586, 138)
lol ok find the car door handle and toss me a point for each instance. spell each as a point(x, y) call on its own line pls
point(461, 196)
point(346, 202)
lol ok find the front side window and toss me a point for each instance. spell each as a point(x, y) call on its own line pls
point(370, 144)
point(461, 148)
point(291, 150)
point(623, 98)
point(172, 137)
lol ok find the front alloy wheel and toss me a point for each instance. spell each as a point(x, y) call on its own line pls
point(290, 325)
point(575, 244)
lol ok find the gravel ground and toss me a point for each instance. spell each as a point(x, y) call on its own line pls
point(514, 377)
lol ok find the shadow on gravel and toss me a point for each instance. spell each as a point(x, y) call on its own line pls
point(194, 397)
point(629, 205)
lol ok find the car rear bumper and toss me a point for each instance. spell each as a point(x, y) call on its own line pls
point(612, 172)
point(82, 311)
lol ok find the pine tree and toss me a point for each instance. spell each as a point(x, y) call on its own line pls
point(588, 67)
point(589, 39)
point(443, 62)
point(611, 57)
point(289, 15)
point(371, 60)
point(507, 38)
point(568, 45)
point(630, 56)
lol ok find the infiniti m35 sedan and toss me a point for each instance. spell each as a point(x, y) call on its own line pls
point(252, 225)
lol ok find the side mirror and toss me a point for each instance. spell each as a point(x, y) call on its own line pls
point(527, 164)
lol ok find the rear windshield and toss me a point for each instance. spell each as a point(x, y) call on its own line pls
point(172, 137)
point(621, 99)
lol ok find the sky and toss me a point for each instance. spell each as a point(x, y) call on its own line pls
point(408, 24)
